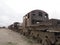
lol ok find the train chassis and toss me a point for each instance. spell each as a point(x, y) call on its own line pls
point(44, 38)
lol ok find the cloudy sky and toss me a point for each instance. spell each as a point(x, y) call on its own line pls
point(14, 10)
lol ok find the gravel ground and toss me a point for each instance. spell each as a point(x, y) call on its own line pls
point(8, 37)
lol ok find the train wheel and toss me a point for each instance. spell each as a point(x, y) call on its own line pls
point(21, 32)
point(24, 33)
point(39, 40)
point(46, 42)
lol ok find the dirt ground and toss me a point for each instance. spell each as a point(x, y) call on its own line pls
point(8, 37)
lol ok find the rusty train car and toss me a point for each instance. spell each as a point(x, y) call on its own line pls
point(16, 26)
point(36, 24)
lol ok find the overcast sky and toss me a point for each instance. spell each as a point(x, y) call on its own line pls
point(14, 10)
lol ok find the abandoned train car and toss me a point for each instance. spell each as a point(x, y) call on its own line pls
point(36, 24)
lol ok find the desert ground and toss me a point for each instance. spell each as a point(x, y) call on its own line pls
point(9, 37)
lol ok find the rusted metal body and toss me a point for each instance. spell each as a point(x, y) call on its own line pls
point(36, 24)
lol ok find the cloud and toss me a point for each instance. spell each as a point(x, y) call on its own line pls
point(14, 10)
point(52, 7)
point(8, 16)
